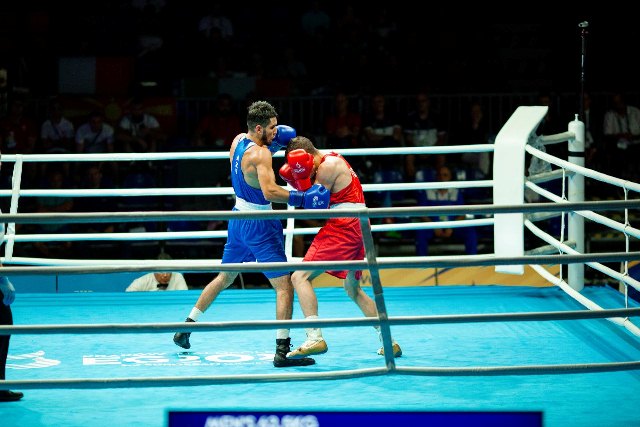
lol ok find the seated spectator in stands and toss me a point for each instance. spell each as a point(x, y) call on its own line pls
point(342, 127)
point(20, 134)
point(57, 132)
point(96, 136)
point(474, 129)
point(552, 124)
point(57, 135)
point(54, 204)
point(94, 179)
point(621, 129)
point(444, 197)
point(593, 119)
point(468, 166)
point(138, 131)
point(422, 128)
point(159, 281)
point(217, 128)
point(382, 130)
point(20, 131)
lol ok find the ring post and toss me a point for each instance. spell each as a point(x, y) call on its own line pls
point(576, 194)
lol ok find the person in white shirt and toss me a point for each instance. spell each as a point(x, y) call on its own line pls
point(138, 131)
point(95, 136)
point(57, 133)
point(621, 129)
point(160, 281)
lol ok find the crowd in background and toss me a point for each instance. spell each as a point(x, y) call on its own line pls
point(342, 51)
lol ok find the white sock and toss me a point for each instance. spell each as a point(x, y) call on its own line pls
point(380, 335)
point(313, 334)
point(282, 334)
point(195, 313)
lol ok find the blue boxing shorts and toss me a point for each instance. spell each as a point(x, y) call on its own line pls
point(251, 240)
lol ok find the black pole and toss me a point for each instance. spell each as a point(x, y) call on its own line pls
point(584, 25)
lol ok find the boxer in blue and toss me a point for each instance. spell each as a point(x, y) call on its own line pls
point(249, 240)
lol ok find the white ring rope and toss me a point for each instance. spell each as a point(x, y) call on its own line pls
point(401, 212)
point(568, 250)
point(180, 235)
point(590, 173)
point(624, 322)
point(600, 219)
point(625, 228)
point(224, 191)
point(113, 266)
point(212, 155)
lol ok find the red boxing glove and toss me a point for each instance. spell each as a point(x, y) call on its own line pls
point(301, 164)
point(286, 173)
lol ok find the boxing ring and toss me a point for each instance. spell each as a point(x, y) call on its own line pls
point(567, 352)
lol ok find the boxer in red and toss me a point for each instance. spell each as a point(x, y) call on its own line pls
point(340, 239)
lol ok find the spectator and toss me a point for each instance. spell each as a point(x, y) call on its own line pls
point(216, 19)
point(138, 131)
point(94, 179)
point(593, 119)
point(475, 130)
point(383, 130)
point(20, 131)
point(342, 127)
point(96, 136)
point(20, 134)
point(469, 166)
point(621, 130)
point(54, 204)
point(57, 136)
point(422, 128)
point(594, 143)
point(291, 67)
point(57, 132)
point(315, 19)
point(218, 128)
point(444, 197)
point(551, 125)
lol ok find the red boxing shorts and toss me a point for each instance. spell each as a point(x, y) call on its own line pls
point(340, 239)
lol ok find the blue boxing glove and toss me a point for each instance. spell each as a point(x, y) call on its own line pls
point(283, 136)
point(316, 197)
